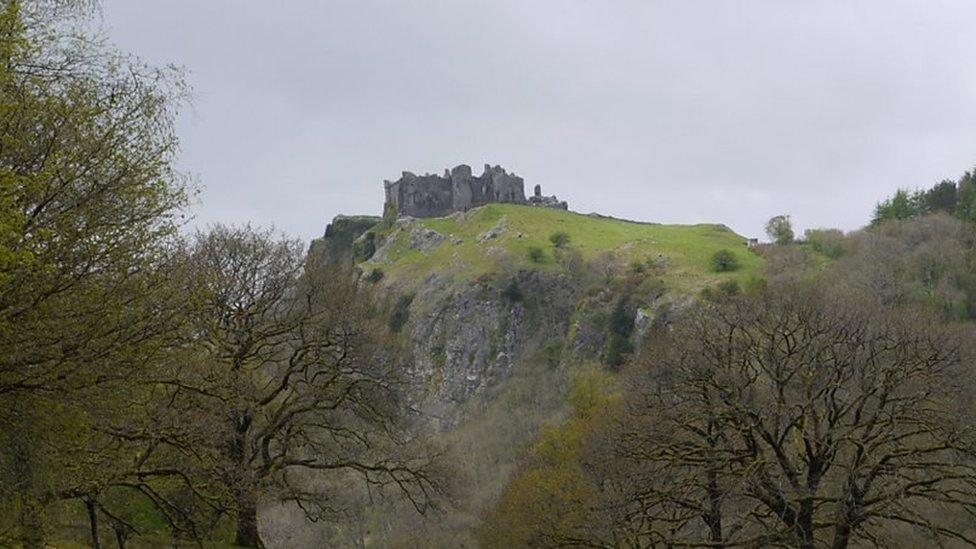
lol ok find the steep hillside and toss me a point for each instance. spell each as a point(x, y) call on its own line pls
point(493, 318)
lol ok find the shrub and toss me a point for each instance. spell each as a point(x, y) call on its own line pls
point(729, 287)
point(512, 292)
point(829, 242)
point(401, 313)
point(536, 254)
point(559, 239)
point(552, 351)
point(375, 276)
point(621, 328)
point(724, 261)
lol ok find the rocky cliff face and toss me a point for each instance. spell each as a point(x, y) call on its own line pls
point(464, 337)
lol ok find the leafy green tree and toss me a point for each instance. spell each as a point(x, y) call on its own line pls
point(780, 229)
point(941, 197)
point(903, 205)
point(89, 208)
point(966, 197)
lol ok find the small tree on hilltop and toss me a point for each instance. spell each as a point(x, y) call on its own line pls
point(780, 229)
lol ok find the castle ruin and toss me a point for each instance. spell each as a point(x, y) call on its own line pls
point(458, 190)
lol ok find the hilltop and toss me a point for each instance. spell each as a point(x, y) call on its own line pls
point(477, 242)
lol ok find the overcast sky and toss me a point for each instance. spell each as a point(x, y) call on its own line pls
point(671, 111)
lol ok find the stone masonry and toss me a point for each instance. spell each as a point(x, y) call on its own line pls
point(458, 190)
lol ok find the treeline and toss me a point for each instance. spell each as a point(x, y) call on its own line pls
point(155, 385)
point(955, 198)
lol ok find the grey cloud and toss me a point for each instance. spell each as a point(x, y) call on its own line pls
point(672, 111)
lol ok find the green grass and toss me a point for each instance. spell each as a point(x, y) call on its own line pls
point(686, 248)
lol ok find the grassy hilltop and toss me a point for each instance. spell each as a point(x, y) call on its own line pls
point(502, 235)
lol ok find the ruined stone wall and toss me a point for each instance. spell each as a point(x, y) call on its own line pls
point(456, 191)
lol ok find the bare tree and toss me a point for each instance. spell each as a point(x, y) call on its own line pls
point(800, 419)
point(293, 366)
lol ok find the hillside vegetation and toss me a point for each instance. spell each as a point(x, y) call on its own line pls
point(502, 236)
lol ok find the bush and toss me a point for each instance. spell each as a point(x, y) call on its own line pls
point(375, 276)
point(512, 292)
point(724, 261)
point(401, 313)
point(536, 254)
point(621, 328)
point(559, 239)
point(552, 351)
point(829, 242)
point(729, 288)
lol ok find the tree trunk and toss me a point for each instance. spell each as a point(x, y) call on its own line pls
point(120, 535)
point(247, 523)
point(93, 522)
point(713, 518)
point(714, 515)
point(842, 535)
point(31, 526)
point(804, 524)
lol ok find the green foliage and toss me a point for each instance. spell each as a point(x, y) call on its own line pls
point(724, 290)
point(956, 198)
point(620, 329)
point(684, 250)
point(966, 197)
point(536, 255)
point(724, 261)
point(364, 249)
point(559, 239)
point(549, 498)
point(552, 351)
point(618, 349)
point(375, 276)
point(401, 313)
point(942, 198)
point(780, 229)
point(829, 242)
point(729, 287)
point(512, 291)
point(903, 205)
point(92, 295)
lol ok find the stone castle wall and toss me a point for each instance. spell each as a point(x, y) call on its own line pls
point(458, 190)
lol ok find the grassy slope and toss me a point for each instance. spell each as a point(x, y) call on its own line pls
point(687, 248)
